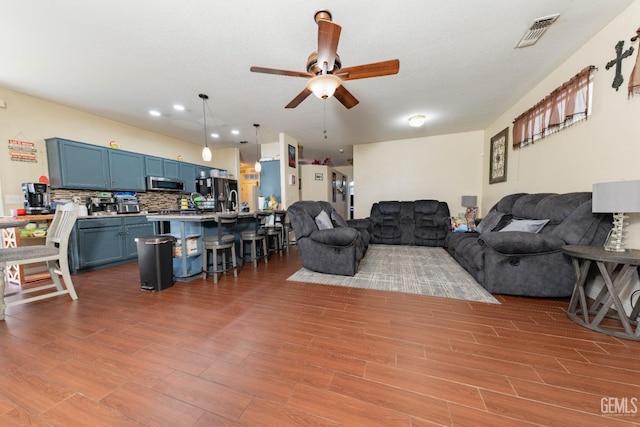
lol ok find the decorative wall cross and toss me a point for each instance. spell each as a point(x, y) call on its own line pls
point(618, 79)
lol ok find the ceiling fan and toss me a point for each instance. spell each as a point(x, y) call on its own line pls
point(324, 68)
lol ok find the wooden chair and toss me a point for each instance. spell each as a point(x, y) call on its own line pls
point(54, 253)
point(224, 241)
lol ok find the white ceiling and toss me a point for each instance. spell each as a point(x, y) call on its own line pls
point(121, 58)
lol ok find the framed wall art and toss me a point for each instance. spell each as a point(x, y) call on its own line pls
point(292, 156)
point(498, 159)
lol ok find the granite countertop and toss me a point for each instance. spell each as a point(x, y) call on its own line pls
point(197, 217)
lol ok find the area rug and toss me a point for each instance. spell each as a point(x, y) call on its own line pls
point(409, 269)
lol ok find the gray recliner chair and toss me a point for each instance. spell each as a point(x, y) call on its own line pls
point(333, 247)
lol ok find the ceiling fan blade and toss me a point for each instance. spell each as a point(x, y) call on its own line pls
point(299, 98)
point(280, 72)
point(328, 37)
point(375, 69)
point(345, 97)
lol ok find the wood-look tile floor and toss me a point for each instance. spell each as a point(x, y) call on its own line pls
point(261, 351)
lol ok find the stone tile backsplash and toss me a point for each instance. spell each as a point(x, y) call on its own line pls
point(150, 201)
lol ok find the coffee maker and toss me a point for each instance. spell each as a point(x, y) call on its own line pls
point(36, 198)
point(101, 206)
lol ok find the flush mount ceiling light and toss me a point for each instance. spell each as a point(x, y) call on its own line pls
point(324, 85)
point(257, 166)
point(206, 152)
point(416, 121)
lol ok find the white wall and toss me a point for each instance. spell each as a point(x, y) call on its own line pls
point(313, 189)
point(605, 147)
point(32, 119)
point(444, 168)
point(289, 185)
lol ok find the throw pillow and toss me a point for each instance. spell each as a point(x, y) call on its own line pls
point(323, 221)
point(526, 225)
point(458, 225)
point(489, 222)
point(338, 220)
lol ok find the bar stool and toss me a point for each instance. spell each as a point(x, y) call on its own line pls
point(285, 228)
point(252, 237)
point(224, 241)
point(273, 232)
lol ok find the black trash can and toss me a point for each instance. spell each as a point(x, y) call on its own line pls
point(155, 259)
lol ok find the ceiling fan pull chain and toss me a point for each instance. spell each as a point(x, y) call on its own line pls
point(324, 108)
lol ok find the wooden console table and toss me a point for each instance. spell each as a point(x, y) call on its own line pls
point(617, 269)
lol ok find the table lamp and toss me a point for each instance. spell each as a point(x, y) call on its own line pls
point(618, 197)
point(471, 203)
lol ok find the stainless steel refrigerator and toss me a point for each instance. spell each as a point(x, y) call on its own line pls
point(219, 189)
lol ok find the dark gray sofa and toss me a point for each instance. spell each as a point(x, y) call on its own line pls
point(421, 222)
point(335, 250)
point(527, 263)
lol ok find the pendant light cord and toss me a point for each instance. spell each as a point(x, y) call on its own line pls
point(204, 115)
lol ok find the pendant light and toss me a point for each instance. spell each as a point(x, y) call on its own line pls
point(206, 152)
point(257, 166)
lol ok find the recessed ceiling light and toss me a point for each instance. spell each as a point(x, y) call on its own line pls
point(178, 107)
point(416, 121)
point(215, 135)
point(235, 132)
point(155, 113)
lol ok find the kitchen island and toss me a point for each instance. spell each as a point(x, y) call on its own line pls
point(189, 230)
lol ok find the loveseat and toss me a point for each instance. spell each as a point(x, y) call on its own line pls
point(517, 249)
point(325, 242)
point(421, 222)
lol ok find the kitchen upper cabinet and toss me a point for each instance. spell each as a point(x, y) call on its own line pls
point(188, 175)
point(126, 171)
point(77, 165)
point(171, 168)
point(154, 166)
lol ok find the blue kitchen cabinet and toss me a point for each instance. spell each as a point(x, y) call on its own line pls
point(99, 242)
point(135, 227)
point(188, 175)
point(126, 171)
point(104, 242)
point(77, 165)
point(154, 166)
point(171, 168)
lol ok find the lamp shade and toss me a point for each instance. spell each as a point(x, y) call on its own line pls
point(619, 196)
point(324, 85)
point(206, 154)
point(469, 201)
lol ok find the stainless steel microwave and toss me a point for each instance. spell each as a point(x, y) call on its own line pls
point(158, 183)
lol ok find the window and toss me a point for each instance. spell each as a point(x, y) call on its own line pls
point(568, 104)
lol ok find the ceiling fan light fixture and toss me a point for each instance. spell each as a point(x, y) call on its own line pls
point(324, 85)
point(416, 121)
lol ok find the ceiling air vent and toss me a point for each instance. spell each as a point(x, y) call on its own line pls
point(536, 30)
